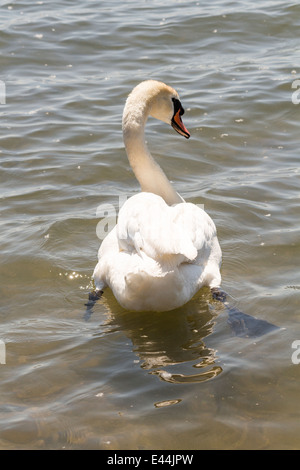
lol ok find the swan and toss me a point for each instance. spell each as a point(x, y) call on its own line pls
point(162, 249)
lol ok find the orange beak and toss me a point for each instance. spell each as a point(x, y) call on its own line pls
point(178, 125)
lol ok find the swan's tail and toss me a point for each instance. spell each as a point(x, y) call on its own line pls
point(242, 324)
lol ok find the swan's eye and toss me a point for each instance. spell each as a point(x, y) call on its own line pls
point(177, 107)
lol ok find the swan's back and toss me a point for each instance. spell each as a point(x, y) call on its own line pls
point(148, 225)
point(158, 256)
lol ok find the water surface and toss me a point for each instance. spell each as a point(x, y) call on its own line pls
point(124, 380)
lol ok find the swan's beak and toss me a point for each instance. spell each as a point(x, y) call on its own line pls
point(178, 125)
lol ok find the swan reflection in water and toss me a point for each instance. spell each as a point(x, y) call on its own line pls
point(170, 345)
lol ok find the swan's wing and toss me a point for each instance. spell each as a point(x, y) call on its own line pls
point(196, 223)
point(202, 232)
point(146, 225)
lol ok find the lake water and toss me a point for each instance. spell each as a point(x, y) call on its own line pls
point(122, 380)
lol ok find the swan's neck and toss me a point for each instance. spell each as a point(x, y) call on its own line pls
point(148, 173)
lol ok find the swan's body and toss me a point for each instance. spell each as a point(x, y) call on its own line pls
point(162, 250)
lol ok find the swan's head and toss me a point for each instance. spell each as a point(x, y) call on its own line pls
point(162, 102)
point(166, 106)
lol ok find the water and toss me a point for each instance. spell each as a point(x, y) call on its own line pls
point(121, 380)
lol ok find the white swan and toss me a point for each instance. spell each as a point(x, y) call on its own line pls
point(162, 250)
